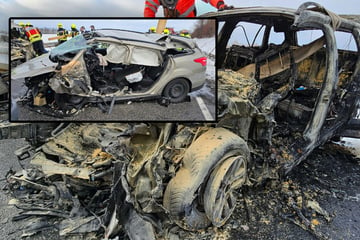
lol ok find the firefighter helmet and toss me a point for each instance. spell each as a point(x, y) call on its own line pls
point(166, 31)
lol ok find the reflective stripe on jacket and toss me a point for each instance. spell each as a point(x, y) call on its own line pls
point(151, 7)
point(74, 32)
point(184, 8)
point(62, 32)
point(33, 34)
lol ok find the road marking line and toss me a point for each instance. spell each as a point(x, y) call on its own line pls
point(205, 111)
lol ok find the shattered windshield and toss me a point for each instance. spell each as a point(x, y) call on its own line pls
point(72, 45)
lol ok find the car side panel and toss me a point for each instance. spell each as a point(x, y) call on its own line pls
point(186, 67)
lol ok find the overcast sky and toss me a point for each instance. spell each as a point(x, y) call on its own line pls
point(134, 8)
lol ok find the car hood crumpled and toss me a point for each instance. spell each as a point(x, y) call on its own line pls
point(34, 67)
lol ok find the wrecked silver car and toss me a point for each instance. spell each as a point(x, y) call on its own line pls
point(114, 65)
point(143, 178)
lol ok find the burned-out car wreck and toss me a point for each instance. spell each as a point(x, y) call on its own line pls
point(113, 65)
point(142, 178)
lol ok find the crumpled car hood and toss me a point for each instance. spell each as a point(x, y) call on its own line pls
point(34, 67)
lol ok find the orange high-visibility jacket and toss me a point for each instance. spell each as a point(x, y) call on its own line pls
point(184, 8)
point(33, 34)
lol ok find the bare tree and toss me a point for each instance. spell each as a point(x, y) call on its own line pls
point(204, 28)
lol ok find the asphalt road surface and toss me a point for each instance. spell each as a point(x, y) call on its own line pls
point(330, 178)
point(129, 111)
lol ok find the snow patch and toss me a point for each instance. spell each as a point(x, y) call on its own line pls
point(45, 38)
point(4, 59)
point(207, 45)
point(353, 144)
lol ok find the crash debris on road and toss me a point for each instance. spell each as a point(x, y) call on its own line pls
point(21, 51)
point(107, 180)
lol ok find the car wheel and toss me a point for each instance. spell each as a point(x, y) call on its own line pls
point(219, 199)
point(179, 201)
point(177, 90)
point(216, 154)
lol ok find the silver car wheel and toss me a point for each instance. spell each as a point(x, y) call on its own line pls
point(177, 90)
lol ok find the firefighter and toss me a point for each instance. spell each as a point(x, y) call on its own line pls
point(74, 31)
point(34, 35)
point(152, 30)
point(178, 8)
point(22, 30)
point(185, 33)
point(61, 31)
point(17, 32)
point(166, 31)
point(82, 30)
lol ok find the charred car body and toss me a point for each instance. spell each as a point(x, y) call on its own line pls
point(319, 110)
point(113, 65)
point(151, 175)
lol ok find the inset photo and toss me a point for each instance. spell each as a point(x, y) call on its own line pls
point(112, 69)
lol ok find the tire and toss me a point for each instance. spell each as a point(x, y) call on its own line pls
point(219, 200)
point(179, 201)
point(183, 196)
point(177, 90)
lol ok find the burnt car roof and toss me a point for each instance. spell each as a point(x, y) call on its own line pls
point(262, 15)
point(253, 12)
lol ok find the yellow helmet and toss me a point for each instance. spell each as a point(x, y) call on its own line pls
point(166, 31)
point(28, 24)
point(60, 25)
point(21, 24)
point(73, 25)
point(152, 29)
